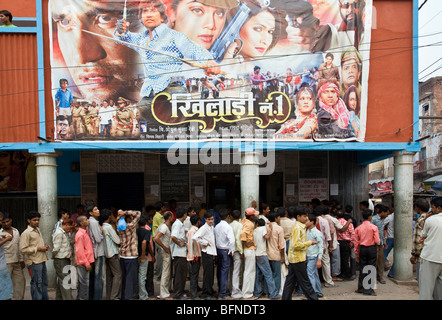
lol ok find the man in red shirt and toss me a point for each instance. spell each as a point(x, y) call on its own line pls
point(85, 257)
point(366, 239)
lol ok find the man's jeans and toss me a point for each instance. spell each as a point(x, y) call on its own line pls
point(142, 274)
point(263, 268)
point(39, 281)
point(390, 244)
point(223, 271)
point(83, 283)
point(313, 274)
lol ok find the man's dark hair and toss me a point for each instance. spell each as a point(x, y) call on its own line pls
point(194, 220)
point(329, 54)
point(261, 222)
point(142, 222)
point(32, 214)
point(8, 14)
point(90, 209)
point(223, 214)
point(235, 214)
point(161, 7)
point(367, 213)
point(299, 211)
point(158, 205)
point(437, 202)
point(208, 214)
point(62, 211)
point(364, 203)
point(422, 204)
point(105, 214)
point(190, 209)
point(273, 216)
point(180, 212)
point(348, 208)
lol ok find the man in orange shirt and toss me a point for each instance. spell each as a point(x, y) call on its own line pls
point(366, 239)
point(249, 252)
point(85, 257)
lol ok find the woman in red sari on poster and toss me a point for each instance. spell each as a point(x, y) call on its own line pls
point(305, 123)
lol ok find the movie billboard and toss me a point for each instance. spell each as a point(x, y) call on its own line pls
point(154, 70)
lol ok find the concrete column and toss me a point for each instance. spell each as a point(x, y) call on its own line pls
point(249, 179)
point(46, 164)
point(403, 215)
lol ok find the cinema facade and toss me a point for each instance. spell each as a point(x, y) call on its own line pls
point(220, 150)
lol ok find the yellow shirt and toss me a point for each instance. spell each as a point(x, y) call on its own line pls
point(247, 233)
point(30, 240)
point(298, 243)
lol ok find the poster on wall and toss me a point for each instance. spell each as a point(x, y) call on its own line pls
point(292, 70)
point(17, 171)
point(312, 188)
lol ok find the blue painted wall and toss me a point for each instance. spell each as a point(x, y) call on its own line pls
point(68, 182)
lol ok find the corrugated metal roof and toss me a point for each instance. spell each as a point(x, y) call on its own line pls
point(19, 114)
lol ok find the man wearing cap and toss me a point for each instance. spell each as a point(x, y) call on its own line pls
point(249, 252)
point(124, 118)
point(351, 67)
point(159, 68)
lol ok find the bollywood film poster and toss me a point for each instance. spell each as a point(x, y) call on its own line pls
point(291, 70)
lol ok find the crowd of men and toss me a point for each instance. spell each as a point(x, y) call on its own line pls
point(276, 254)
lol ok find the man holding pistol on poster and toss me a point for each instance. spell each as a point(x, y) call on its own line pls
point(161, 44)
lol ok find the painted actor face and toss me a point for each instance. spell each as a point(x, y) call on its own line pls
point(350, 73)
point(305, 103)
point(151, 17)
point(352, 101)
point(62, 128)
point(350, 12)
point(100, 67)
point(257, 34)
point(199, 22)
point(329, 97)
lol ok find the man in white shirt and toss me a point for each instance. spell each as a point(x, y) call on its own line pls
point(162, 239)
point(205, 236)
point(225, 246)
point(179, 253)
point(261, 234)
point(324, 227)
point(430, 280)
point(238, 254)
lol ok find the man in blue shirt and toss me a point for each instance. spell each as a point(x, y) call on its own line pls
point(159, 68)
point(63, 99)
point(378, 221)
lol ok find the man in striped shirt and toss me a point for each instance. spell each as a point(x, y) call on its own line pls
point(129, 253)
point(194, 255)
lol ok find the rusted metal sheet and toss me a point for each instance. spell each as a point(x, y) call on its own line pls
point(19, 113)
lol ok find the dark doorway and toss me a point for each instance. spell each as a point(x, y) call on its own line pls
point(123, 190)
point(223, 190)
point(271, 189)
